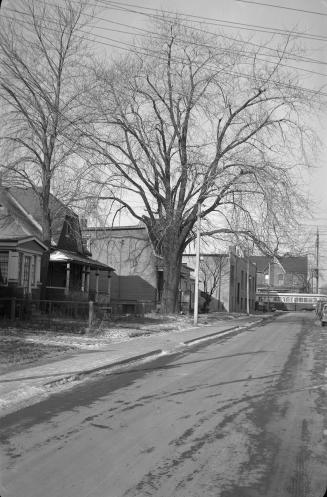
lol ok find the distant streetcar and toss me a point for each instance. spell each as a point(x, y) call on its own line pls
point(273, 300)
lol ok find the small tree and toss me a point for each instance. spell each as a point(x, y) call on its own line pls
point(189, 118)
point(42, 83)
point(213, 268)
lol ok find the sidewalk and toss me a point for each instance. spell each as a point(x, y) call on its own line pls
point(28, 386)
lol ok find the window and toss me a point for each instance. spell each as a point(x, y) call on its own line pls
point(69, 229)
point(4, 258)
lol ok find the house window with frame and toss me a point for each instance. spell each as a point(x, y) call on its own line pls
point(69, 230)
point(4, 259)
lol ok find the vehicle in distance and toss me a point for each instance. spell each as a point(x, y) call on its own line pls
point(323, 315)
point(288, 301)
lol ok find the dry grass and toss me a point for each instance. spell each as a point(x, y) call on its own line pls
point(28, 344)
point(17, 351)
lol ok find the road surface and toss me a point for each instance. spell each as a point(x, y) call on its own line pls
point(243, 416)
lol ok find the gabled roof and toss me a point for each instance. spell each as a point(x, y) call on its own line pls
point(11, 228)
point(290, 264)
point(31, 242)
point(28, 201)
point(297, 264)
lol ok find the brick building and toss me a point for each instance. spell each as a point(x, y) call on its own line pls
point(286, 274)
point(226, 275)
point(139, 271)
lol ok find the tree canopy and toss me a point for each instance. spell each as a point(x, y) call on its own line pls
point(43, 80)
point(189, 118)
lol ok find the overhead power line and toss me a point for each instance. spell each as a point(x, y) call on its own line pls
point(121, 45)
point(302, 59)
point(119, 3)
point(203, 20)
point(283, 7)
point(111, 4)
point(156, 35)
point(124, 6)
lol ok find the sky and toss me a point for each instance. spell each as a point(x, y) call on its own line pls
point(117, 22)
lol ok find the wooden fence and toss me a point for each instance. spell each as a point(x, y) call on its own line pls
point(83, 312)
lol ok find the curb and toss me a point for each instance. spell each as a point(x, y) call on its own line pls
point(140, 357)
point(213, 335)
point(86, 372)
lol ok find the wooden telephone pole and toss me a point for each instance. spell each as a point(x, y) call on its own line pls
point(197, 265)
point(317, 261)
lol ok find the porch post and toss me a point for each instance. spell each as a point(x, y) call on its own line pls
point(83, 279)
point(87, 280)
point(30, 277)
point(96, 285)
point(67, 278)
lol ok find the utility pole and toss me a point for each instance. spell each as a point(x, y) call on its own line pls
point(248, 284)
point(197, 265)
point(269, 269)
point(317, 261)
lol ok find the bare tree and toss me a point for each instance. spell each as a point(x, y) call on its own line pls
point(190, 118)
point(213, 268)
point(42, 85)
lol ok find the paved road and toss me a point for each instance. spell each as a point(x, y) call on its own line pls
point(243, 416)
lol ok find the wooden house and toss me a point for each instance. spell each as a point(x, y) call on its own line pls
point(21, 249)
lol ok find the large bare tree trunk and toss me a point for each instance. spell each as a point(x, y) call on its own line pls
point(47, 235)
point(172, 270)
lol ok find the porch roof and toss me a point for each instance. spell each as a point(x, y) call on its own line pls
point(15, 242)
point(67, 256)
